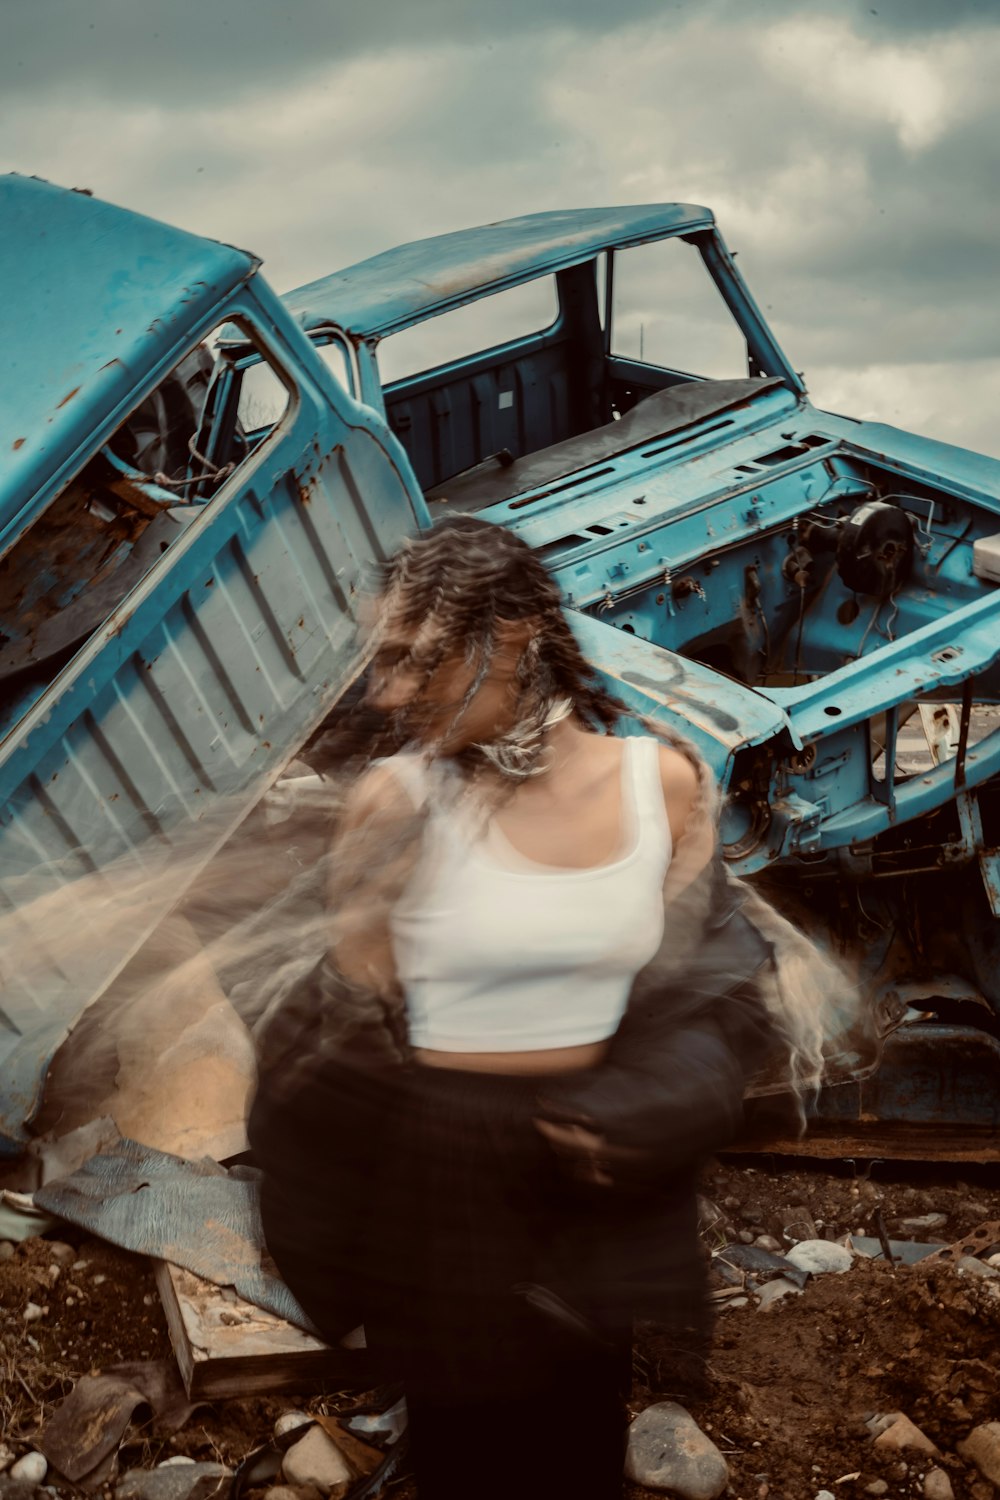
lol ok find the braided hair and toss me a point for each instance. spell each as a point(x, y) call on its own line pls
point(452, 589)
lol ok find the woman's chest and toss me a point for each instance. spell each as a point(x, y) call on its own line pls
point(469, 913)
point(581, 831)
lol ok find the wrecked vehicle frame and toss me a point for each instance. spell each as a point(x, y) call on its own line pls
point(811, 598)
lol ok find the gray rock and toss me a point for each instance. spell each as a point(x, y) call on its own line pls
point(982, 1447)
point(667, 1450)
point(289, 1421)
point(819, 1257)
point(709, 1214)
point(797, 1224)
point(768, 1242)
point(825, 1495)
point(32, 1468)
point(894, 1430)
point(877, 1487)
point(923, 1223)
point(60, 1252)
point(315, 1459)
point(970, 1266)
point(201, 1481)
point(773, 1291)
point(937, 1485)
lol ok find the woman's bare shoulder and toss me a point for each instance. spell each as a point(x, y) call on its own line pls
point(389, 789)
point(681, 787)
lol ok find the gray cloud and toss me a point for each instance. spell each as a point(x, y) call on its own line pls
point(851, 157)
point(925, 16)
point(191, 48)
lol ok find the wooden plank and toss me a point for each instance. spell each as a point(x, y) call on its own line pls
point(227, 1347)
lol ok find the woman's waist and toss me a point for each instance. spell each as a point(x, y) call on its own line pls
point(521, 1062)
point(514, 1015)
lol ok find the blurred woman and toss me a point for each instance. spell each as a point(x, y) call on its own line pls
point(481, 1116)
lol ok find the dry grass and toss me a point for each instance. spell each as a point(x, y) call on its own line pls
point(23, 1408)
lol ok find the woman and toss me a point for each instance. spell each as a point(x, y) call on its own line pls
point(480, 1118)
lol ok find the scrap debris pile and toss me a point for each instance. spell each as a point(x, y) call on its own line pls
point(833, 1372)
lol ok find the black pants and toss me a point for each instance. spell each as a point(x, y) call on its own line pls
point(492, 1284)
point(515, 1372)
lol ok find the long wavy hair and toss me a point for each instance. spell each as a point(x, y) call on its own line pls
point(449, 592)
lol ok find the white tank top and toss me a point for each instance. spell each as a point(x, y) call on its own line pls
point(496, 953)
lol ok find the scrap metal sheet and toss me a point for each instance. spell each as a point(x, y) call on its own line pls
point(193, 1213)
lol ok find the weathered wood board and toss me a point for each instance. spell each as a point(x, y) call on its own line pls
point(227, 1347)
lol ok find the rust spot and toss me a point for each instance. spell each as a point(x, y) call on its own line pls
point(266, 744)
point(302, 622)
point(19, 443)
point(68, 397)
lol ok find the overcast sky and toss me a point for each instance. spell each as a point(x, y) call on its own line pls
point(850, 150)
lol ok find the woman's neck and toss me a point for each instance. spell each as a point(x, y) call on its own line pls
point(562, 741)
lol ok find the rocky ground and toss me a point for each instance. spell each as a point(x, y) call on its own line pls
point(791, 1398)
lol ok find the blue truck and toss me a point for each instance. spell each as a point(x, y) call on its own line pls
point(198, 473)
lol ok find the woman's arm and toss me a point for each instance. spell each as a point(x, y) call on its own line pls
point(681, 786)
point(370, 861)
point(671, 1087)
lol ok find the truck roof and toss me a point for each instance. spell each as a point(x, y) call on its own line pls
point(425, 277)
point(95, 299)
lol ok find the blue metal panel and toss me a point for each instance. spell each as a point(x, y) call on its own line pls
point(154, 741)
point(670, 502)
point(975, 476)
point(720, 716)
point(96, 301)
point(761, 342)
point(939, 656)
point(418, 280)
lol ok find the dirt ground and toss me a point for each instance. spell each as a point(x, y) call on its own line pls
point(785, 1393)
point(789, 1387)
